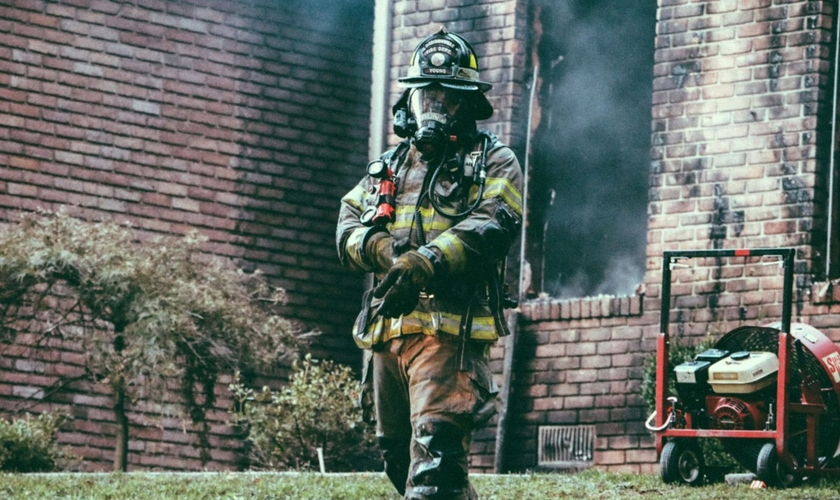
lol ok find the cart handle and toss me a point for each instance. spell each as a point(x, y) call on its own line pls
point(671, 256)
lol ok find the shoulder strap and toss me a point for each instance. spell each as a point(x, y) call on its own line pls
point(395, 157)
point(491, 138)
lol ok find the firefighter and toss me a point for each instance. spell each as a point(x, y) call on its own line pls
point(433, 220)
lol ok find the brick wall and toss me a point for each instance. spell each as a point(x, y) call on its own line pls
point(238, 119)
point(741, 137)
point(579, 362)
point(175, 115)
point(741, 130)
point(37, 377)
point(245, 120)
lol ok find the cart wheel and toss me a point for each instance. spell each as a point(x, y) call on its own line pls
point(770, 470)
point(682, 462)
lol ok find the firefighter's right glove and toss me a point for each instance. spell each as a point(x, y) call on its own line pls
point(379, 250)
point(400, 288)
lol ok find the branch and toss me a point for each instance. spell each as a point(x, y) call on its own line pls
point(53, 389)
point(61, 320)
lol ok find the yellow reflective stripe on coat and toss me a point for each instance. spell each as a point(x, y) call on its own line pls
point(405, 217)
point(383, 330)
point(483, 327)
point(453, 250)
point(499, 187)
point(353, 248)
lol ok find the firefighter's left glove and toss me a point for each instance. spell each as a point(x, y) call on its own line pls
point(400, 288)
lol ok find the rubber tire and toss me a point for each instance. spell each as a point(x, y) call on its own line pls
point(744, 451)
point(682, 462)
point(771, 471)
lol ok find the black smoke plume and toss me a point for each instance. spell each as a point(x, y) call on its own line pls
point(591, 150)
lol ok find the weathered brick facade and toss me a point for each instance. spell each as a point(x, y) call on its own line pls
point(244, 120)
point(740, 157)
point(238, 119)
point(229, 117)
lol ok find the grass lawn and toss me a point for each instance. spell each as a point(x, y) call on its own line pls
point(311, 486)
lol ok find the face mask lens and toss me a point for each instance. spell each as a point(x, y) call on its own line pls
point(434, 108)
point(452, 101)
point(435, 101)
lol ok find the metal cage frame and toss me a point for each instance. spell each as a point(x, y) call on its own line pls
point(785, 407)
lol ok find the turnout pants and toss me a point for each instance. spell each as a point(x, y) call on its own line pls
point(430, 393)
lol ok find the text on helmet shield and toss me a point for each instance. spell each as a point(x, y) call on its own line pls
point(437, 49)
point(440, 41)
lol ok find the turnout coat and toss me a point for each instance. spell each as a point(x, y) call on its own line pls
point(468, 249)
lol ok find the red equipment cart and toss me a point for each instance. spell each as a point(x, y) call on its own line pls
point(783, 426)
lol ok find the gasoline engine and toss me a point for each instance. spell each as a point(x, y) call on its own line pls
point(728, 391)
point(769, 394)
point(733, 387)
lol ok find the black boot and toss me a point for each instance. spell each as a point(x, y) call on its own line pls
point(439, 471)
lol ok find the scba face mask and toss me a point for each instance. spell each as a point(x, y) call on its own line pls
point(435, 109)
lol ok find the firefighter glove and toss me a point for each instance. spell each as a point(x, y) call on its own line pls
point(400, 288)
point(379, 250)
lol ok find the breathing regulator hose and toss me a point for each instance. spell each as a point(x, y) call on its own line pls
point(482, 179)
point(649, 423)
point(672, 418)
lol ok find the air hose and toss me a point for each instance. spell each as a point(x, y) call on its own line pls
point(482, 179)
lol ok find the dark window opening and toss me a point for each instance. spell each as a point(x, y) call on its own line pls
point(828, 232)
point(591, 150)
point(826, 239)
point(825, 204)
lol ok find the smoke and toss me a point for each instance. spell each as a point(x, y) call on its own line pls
point(339, 15)
point(592, 146)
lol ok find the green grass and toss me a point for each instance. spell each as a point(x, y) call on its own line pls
point(588, 485)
